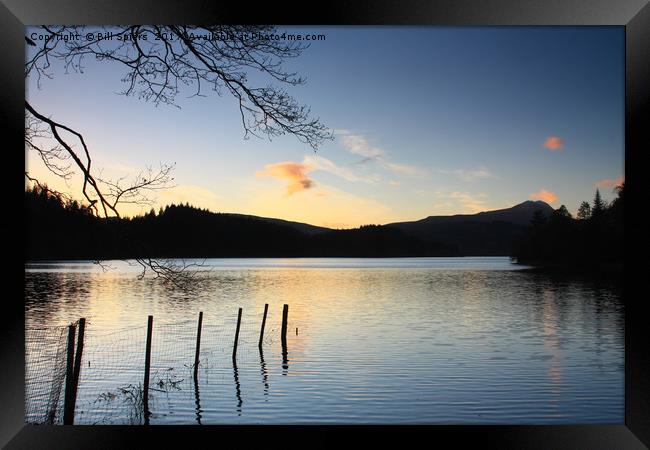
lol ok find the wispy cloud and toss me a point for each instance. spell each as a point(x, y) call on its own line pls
point(469, 175)
point(445, 202)
point(401, 168)
point(322, 205)
point(544, 195)
point(608, 183)
point(318, 162)
point(394, 183)
point(553, 143)
point(359, 145)
point(294, 173)
point(470, 202)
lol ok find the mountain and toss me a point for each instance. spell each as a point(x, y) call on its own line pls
point(186, 231)
point(488, 233)
point(302, 227)
point(182, 231)
point(519, 214)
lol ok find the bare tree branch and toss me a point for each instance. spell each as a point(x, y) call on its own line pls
point(160, 62)
point(55, 158)
point(105, 193)
point(177, 273)
point(45, 188)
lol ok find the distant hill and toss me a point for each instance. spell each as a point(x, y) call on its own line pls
point(302, 227)
point(59, 231)
point(186, 231)
point(488, 233)
point(519, 214)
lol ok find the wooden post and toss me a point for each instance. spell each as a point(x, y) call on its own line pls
point(266, 308)
point(147, 367)
point(77, 366)
point(69, 379)
point(234, 350)
point(285, 314)
point(198, 346)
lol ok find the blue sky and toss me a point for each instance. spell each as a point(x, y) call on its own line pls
point(427, 121)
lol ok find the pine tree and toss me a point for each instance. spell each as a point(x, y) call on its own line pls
point(584, 212)
point(599, 205)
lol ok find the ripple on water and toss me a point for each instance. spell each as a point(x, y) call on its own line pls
point(401, 340)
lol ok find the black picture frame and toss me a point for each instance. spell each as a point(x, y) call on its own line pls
point(634, 15)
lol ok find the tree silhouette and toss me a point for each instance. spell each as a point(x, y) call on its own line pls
point(592, 243)
point(562, 213)
point(617, 203)
point(599, 205)
point(584, 211)
point(183, 231)
point(159, 61)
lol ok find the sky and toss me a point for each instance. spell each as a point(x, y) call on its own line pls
point(426, 121)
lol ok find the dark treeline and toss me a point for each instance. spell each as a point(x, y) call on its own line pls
point(58, 229)
point(593, 241)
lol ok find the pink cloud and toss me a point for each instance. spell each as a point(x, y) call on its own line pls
point(544, 195)
point(553, 143)
point(609, 183)
point(294, 173)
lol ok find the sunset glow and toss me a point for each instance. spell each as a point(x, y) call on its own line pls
point(459, 133)
point(386, 225)
point(545, 196)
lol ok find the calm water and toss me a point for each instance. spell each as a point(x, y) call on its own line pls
point(397, 340)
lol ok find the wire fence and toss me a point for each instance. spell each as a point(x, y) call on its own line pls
point(109, 388)
point(110, 382)
point(45, 370)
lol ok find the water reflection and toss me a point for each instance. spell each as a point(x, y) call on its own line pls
point(197, 401)
point(551, 323)
point(265, 375)
point(237, 387)
point(410, 341)
point(285, 357)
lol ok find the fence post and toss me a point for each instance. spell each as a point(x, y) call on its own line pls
point(198, 346)
point(285, 314)
point(147, 367)
point(234, 350)
point(77, 366)
point(69, 379)
point(266, 308)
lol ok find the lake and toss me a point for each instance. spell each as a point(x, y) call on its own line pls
point(385, 340)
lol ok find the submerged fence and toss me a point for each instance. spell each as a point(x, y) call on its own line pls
point(45, 371)
point(75, 372)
